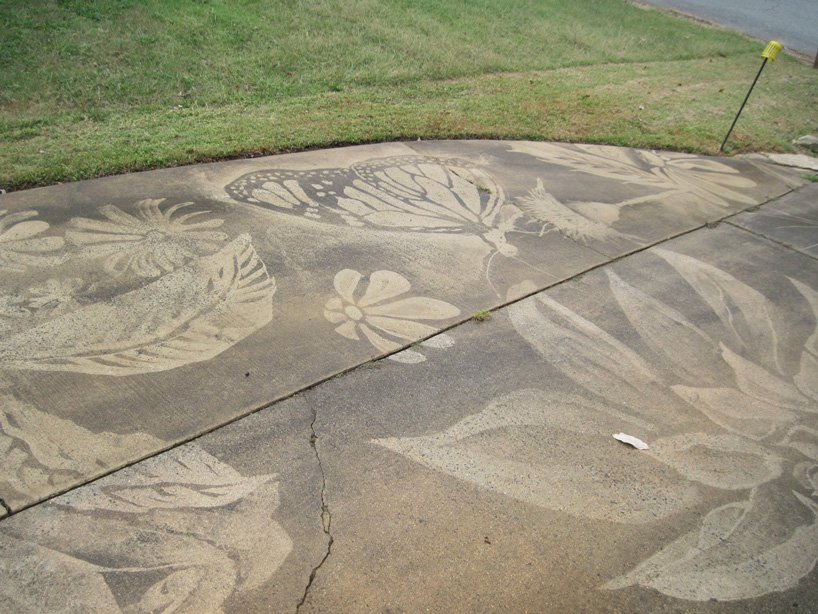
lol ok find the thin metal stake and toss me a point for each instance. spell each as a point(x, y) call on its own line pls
point(770, 53)
point(746, 98)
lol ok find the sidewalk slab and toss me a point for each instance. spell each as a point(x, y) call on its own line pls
point(142, 310)
point(486, 476)
point(791, 220)
point(495, 479)
point(204, 527)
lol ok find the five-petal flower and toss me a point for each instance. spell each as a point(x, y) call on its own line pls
point(373, 310)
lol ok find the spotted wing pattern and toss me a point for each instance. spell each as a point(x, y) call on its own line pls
point(415, 193)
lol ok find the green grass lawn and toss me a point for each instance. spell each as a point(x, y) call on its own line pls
point(89, 89)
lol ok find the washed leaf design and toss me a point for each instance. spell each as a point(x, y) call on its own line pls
point(597, 361)
point(807, 377)
point(755, 381)
point(666, 331)
point(807, 474)
point(736, 411)
point(41, 453)
point(744, 311)
point(803, 439)
point(757, 408)
point(189, 315)
point(20, 245)
point(722, 461)
point(185, 477)
point(75, 578)
point(193, 574)
point(736, 554)
point(811, 295)
point(413, 193)
point(476, 450)
point(172, 592)
point(184, 530)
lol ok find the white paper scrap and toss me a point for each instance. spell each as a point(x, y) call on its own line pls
point(631, 441)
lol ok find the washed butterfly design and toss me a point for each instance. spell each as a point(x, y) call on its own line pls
point(411, 193)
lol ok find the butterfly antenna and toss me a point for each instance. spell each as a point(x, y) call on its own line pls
point(488, 274)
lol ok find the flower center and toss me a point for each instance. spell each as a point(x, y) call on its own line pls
point(353, 313)
point(154, 236)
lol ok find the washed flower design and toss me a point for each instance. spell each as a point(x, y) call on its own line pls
point(20, 245)
point(711, 181)
point(149, 242)
point(11, 306)
point(56, 295)
point(374, 314)
point(675, 174)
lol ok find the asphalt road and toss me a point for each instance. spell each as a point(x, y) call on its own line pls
point(793, 23)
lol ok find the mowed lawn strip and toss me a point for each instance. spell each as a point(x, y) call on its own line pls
point(102, 88)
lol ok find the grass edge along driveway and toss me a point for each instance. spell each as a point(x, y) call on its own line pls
point(650, 80)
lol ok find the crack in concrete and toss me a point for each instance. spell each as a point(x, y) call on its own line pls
point(5, 506)
point(326, 515)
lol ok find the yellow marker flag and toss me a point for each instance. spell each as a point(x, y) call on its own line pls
point(771, 51)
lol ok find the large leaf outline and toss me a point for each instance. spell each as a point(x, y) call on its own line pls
point(185, 477)
point(190, 315)
point(744, 311)
point(666, 331)
point(640, 490)
point(41, 453)
point(587, 354)
point(725, 560)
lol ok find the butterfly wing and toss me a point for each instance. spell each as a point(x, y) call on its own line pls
point(415, 193)
point(301, 193)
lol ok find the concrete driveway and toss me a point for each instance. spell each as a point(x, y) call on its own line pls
point(387, 378)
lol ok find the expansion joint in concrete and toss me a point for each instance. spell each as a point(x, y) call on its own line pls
point(771, 240)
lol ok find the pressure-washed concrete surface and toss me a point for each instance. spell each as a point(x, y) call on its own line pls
point(475, 470)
